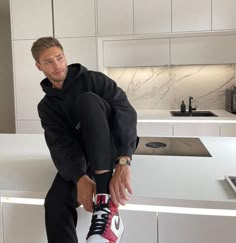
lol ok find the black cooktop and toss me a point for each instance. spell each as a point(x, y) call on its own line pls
point(172, 146)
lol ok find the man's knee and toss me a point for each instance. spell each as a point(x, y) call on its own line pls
point(89, 98)
point(91, 103)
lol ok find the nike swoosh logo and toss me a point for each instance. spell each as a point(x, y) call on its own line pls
point(117, 223)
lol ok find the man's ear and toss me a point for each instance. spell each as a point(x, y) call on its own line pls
point(37, 64)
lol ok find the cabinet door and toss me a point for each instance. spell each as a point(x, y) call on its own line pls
point(27, 81)
point(152, 16)
point(203, 50)
point(151, 129)
point(185, 228)
point(75, 19)
point(1, 225)
point(31, 19)
point(29, 127)
point(115, 17)
point(135, 230)
point(191, 15)
point(228, 130)
point(24, 223)
point(223, 14)
point(196, 129)
point(81, 50)
point(133, 53)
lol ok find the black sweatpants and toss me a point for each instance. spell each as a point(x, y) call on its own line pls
point(93, 114)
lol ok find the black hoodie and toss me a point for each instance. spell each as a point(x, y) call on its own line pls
point(56, 111)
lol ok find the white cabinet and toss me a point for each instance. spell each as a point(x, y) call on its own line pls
point(31, 19)
point(1, 224)
point(228, 130)
point(152, 16)
point(139, 226)
point(29, 127)
point(23, 223)
point(26, 81)
point(143, 52)
point(187, 228)
point(135, 230)
point(191, 15)
point(81, 50)
point(27, 77)
point(75, 19)
point(115, 17)
point(223, 14)
point(154, 129)
point(203, 50)
point(196, 129)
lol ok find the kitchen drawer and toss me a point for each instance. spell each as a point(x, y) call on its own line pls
point(187, 228)
point(196, 129)
point(154, 129)
point(228, 130)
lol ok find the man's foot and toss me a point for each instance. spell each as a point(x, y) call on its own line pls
point(106, 226)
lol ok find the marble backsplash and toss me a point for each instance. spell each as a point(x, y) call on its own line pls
point(165, 87)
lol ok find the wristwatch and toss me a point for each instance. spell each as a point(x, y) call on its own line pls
point(123, 161)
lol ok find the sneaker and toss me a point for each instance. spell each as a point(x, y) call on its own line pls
point(106, 225)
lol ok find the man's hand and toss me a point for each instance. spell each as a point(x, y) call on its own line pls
point(120, 181)
point(86, 188)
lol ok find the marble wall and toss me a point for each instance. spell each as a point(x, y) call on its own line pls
point(165, 87)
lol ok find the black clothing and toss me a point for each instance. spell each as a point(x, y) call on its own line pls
point(60, 112)
point(95, 139)
point(60, 212)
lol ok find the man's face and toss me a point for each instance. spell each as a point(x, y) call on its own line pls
point(52, 63)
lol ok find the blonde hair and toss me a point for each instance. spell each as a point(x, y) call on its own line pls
point(42, 44)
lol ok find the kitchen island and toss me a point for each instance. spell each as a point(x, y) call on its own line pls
point(180, 189)
point(26, 170)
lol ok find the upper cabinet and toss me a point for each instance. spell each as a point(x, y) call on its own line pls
point(76, 19)
point(223, 14)
point(133, 53)
point(31, 19)
point(203, 50)
point(152, 16)
point(27, 80)
point(115, 17)
point(191, 15)
point(81, 50)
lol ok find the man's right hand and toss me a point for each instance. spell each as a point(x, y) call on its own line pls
point(86, 189)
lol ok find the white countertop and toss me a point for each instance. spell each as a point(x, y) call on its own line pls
point(165, 116)
point(26, 170)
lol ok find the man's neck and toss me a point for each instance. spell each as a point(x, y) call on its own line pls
point(57, 85)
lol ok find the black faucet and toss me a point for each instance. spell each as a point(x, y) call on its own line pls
point(190, 108)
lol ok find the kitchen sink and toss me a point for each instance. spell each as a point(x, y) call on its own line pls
point(193, 113)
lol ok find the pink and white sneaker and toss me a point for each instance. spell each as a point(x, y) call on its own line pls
point(106, 225)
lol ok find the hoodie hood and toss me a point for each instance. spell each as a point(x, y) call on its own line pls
point(74, 71)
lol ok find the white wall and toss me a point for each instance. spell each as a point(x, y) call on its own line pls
point(7, 123)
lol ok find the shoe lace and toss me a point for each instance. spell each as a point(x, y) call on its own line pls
point(99, 219)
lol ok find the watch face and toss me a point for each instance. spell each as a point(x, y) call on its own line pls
point(123, 161)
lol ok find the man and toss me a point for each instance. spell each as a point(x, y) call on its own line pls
point(90, 130)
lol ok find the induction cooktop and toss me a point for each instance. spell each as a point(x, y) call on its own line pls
point(172, 146)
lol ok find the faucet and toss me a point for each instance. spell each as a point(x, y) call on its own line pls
point(190, 108)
